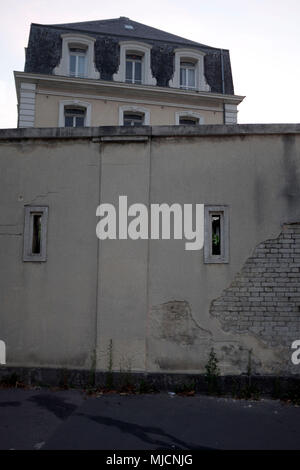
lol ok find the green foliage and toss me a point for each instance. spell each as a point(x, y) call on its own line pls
point(212, 373)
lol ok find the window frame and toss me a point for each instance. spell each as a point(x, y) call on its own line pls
point(74, 116)
point(77, 55)
point(188, 114)
point(134, 109)
point(190, 55)
point(138, 48)
point(76, 104)
point(223, 211)
point(28, 254)
point(83, 41)
point(187, 69)
point(134, 62)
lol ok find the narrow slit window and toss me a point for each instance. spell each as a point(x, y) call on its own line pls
point(216, 234)
point(35, 233)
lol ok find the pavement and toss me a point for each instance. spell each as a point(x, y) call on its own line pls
point(68, 419)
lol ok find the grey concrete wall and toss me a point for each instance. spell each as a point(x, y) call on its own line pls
point(153, 301)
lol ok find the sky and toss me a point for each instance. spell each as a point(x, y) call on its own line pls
point(263, 37)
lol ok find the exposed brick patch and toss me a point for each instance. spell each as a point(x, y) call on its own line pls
point(264, 298)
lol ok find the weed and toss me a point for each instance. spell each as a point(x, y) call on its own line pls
point(212, 373)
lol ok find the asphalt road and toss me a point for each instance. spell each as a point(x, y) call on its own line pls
point(45, 419)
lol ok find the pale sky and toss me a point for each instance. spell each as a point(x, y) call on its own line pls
point(263, 37)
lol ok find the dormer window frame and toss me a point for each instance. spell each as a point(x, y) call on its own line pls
point(79, 41)
point(140, 49)
point(193, 56)
point(77, 51)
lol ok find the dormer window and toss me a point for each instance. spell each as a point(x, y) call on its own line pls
point(74, 117)
point(189, 70)
point(77, 61)
point(187, 75)
point(134, 68)
point(134, 64)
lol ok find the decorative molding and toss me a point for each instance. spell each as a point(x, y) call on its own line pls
point(129, 100)
point(134, 109)
point(230, 114)
point(82, 104)
point(27, 95)
point(198, 57)
point(82, 40)
point(180, 114)
point(135, 46)
point(151, 90)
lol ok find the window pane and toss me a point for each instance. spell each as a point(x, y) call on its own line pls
point(81, 65)
point(191, 78)
point(73, 111)
point(182, 77)
point(131, 119)
point(36, 234)
point(68, 121)
point(72, 64)
point(138, 72)
point(79, 121)
point(188, 121)
point(216, 234)
point(128, 71)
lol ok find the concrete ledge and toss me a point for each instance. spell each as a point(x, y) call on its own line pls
point(263, 385)
point(148, 131)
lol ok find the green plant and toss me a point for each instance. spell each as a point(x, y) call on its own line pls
point(187, 388)
point(146, 387)
point(212, 373)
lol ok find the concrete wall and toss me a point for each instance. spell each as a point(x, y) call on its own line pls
point(157, 304)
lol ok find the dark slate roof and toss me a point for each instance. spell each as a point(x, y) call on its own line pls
point(117, 27)
point(45, 45)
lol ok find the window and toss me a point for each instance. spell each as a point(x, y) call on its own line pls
point(187, 75)
point(74, 113)
point(77, 62)
point(189, 70)
point(133, 116)
point(188, 121)
point(133, 68)
point(135, 64)
point(77, 58)
point(188, 118)
point(131, 119)
point(74, 117)
point(216, 236)
point(35, 233)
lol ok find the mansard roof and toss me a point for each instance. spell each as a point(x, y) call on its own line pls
point(126, 27)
